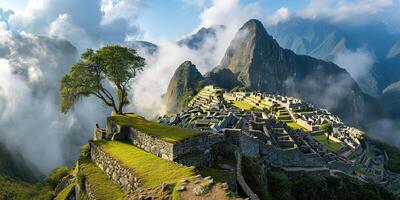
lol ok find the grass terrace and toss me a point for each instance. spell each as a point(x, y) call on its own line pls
point(102, 187)
point(219, 175)
point(151, 170)
point(166, 133)
point(64, 193)
point(295, 126)
point(331, 146)
point(242, 105)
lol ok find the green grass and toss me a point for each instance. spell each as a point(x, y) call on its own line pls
point(175, 192)
point(102, 187)
point(151, 170)
point(295, 126)
point(332, 146)
point(64, 193)
point(242, 105)
point(218, 175)
point(56, 175)
point(166, 133)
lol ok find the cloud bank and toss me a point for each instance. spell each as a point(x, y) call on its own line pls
point(30, 118)
point(83, 23)
point(340, 10)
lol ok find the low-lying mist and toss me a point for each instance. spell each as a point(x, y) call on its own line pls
point(30, 119)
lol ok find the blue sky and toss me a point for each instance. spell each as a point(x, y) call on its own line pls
point(105, 21)
point(170, 19)
point(161, 19)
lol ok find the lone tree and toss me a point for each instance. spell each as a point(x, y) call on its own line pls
point(115, 64)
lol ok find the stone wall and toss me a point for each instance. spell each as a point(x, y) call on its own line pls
point(289, 158)
point(199, 143)
point(193, 151)
point(240, 179)
point(118, 174)
point(151, 144)
point(248, 145)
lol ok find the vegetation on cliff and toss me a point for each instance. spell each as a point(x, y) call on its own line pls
point(64, 193)
point(55, 176)
point(17, 181)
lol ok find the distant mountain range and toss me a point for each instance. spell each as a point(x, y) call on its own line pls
point(325, 40)
point(256, 61)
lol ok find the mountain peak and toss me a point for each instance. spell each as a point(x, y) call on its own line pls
point(185, 82)
point(253, 23)
point(187, 64)
point(251, 44)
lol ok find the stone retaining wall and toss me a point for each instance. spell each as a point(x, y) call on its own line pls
point(199, 143)
point(249, 146)
point(241, 180)
point(289, 158)
point(118, 174)
point(151, 144)
point(181, 152)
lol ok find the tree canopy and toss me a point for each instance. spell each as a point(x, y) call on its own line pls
point(116, 64)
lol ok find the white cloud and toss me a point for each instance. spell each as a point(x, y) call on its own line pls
point(229, 12)
point(30, 119)
point(64, 28)
point(358, 62)
point(92, 22)
point(122, 9)
point(280, 15)
point(340, 10)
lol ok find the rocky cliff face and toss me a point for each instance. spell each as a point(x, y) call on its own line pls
point(259, 63)
point(184, 83)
